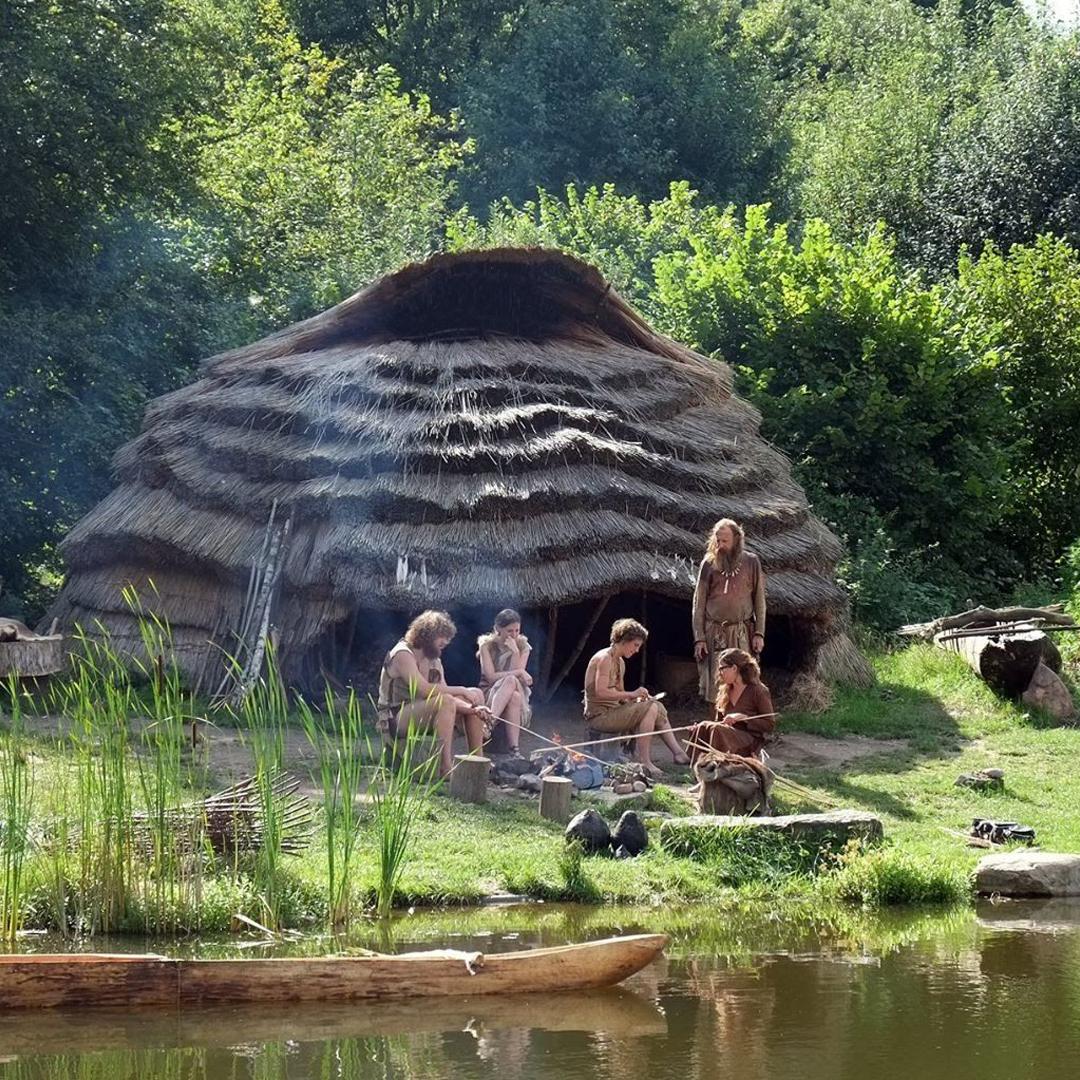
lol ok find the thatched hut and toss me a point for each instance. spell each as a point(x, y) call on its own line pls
point(479, 430)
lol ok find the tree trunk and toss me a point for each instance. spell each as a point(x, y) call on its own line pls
point(1006, 660)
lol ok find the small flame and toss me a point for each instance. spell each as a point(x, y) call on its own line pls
point(556, 738)
point(575, 757)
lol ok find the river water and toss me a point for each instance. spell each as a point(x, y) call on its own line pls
point(987, 994)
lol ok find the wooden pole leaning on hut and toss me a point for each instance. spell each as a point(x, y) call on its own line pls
point(469, 778)
point(576, 651)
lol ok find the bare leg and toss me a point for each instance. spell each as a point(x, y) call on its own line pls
point(679, 755)
point(500, 697)
point(512, 716)
point(641, 745)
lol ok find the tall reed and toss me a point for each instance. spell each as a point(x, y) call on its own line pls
point(263, 715)
point(404, 782)
point(16, 815)
point(336, 739)
point(173, 859)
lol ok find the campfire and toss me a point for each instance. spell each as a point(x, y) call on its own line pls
point(586, 771)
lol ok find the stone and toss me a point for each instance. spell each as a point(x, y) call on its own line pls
point(630, 833)
point(982, 780)
point(640, 785)
point(530, 782)
point(1046, 691)
point(590, 830)
point(1028, 873)
point(590, 774)
point(829, 831)
point(516, 765)
point(623, 789)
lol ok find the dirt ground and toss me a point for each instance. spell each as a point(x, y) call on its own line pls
point(230, 758)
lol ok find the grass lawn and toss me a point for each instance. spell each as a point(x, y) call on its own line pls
point(947, 719)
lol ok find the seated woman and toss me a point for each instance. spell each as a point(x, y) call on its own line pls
point(744, 710)
point(503, 656)
point(611, 708)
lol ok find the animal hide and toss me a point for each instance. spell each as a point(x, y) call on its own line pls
point(732, 785)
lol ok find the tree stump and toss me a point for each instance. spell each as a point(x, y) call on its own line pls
point(469, 780)
point(555, 792)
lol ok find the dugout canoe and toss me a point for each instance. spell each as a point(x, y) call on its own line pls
point(63, 980)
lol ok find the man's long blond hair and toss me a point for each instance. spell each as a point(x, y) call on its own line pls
point(726, 560)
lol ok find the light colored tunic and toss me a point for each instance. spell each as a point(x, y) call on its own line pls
point(616, 717)
point(503, 658)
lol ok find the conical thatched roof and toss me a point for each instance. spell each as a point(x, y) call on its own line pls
point(488, 427)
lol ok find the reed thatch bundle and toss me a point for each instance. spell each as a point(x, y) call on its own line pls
point(487, 427)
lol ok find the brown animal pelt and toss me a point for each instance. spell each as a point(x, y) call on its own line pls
point(732, 785)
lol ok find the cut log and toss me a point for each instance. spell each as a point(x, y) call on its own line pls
point(1006, 660)
point(555, 792)
point(469, 778)
point(984, 616)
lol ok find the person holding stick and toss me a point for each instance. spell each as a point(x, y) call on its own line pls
point(744, 710)
point(611, 708)
point(507, 686)
point(729, 603)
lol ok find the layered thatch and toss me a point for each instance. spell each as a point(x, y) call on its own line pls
point(492, 427)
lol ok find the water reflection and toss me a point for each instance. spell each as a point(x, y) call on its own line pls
point(992, 993)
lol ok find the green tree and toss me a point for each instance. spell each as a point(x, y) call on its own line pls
point(316, 178)
point(1028, 303)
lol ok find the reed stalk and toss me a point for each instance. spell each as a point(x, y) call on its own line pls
point(16, 815)
point(264, 717)
point(404, 783)
point(336, 740)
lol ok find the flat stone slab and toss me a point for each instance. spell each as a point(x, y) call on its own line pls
point(1028, 873)
point(833, 829)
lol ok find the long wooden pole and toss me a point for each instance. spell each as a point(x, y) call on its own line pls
point(549, 648)
point(576, 651)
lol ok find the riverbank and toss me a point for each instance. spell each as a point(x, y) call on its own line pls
point(931, 720)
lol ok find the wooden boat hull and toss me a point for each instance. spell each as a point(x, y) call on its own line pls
point(58, 980)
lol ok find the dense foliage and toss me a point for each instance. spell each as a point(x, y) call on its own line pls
point(869, 207)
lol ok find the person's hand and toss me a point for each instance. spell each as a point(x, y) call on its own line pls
point(524, 678)
point(640, 694)
point(757, 643)
point(701, 650)
point(736, 720)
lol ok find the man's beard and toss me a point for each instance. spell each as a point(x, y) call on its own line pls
point(432, 651)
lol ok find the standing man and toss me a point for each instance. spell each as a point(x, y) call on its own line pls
point(729, 603)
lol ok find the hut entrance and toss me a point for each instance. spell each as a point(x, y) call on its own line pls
point(563, 639)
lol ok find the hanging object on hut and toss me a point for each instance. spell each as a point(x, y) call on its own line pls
point(26, 655)
point(1010, 648)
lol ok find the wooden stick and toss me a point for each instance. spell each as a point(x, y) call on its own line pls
point(549, 649)
point(575, 652)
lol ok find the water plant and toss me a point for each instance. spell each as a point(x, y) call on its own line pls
point(336, 738)
point(263, 715)
point(401, 790)
point(16, 814)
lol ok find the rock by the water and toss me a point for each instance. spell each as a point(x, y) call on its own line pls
point(1028, 873)
point(1047, 691)
point(824, 831)
point(630, 833)
point(590, 830)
